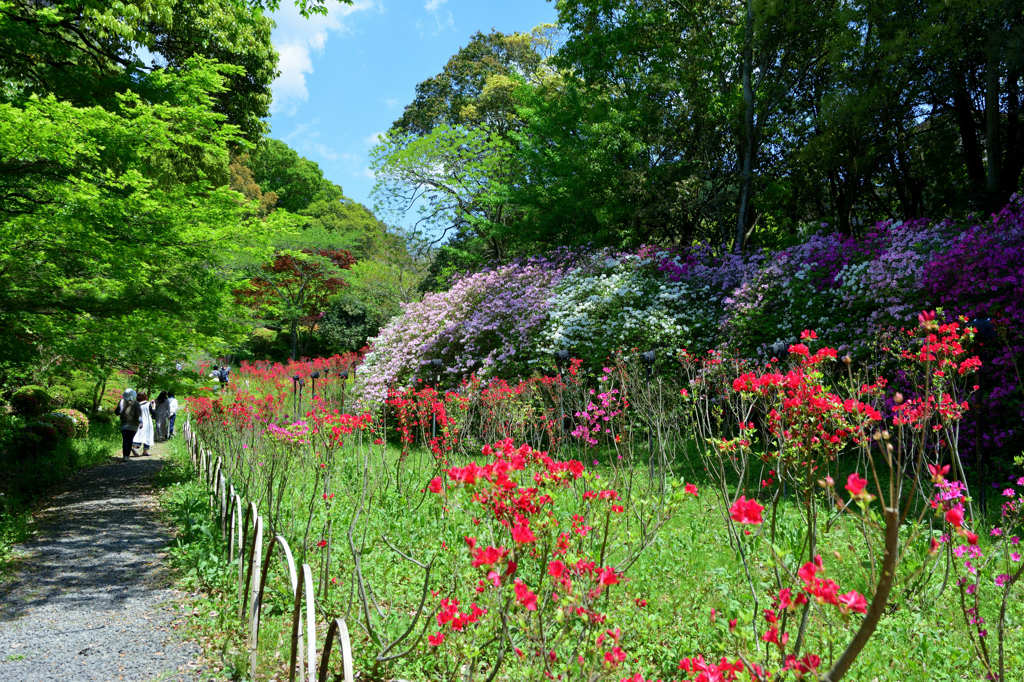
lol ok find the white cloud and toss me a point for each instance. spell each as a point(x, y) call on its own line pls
point(325, 151)
point(366, 172)
point(432, 7)
point(374, 139)
point(391, 102)
point(295, 38)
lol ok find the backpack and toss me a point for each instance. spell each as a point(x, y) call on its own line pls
point(131, 413)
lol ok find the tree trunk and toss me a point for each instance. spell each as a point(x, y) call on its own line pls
point(747, 161)
point(1013, 154)
point(295, 338)
point(993, 150)
point(964, 110)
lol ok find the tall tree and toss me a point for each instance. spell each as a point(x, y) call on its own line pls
point(109, 216)
point(294, 288)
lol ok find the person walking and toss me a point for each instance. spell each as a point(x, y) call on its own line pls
point(172, 403)
point(161, 412)
point(144, 436)
point(130, 412)
point(225, 374)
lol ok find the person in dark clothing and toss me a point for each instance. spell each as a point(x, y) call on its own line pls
point(161, 412)
point(173, 404)
point(129, 410)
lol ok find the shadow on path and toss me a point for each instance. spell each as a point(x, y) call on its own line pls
point(91, 598)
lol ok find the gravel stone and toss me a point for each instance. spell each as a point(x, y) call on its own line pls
point(92, 598)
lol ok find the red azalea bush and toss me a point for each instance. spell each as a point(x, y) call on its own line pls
point(792, 446)
point(79, 420)
point(800, 422)
point(549, 544)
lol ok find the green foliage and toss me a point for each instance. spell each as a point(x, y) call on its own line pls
point(295, 180)
point(100, 288)
point(79, 421)
point(292, 183)
point(30, 401)
point(476, 85)
point(449, 175)
point(85, 52)
point(60, 396)
point(28, 473)
point(349, 323)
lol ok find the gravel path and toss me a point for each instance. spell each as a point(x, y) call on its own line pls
point(91, 600)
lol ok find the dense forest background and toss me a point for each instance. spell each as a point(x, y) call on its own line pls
point(743, 124)
point(146, 216)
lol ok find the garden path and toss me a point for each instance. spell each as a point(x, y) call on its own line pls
point(92, 599)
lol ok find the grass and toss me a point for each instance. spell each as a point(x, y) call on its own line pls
point(686, 574)
point(26, 480)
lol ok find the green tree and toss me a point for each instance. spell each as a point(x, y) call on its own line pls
point(477, 84)
point(448, 179)
point(301, 189)
point(109, 218)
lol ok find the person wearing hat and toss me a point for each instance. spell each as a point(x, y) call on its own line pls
point(130, 412)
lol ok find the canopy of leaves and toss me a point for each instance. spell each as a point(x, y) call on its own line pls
point(113, 224)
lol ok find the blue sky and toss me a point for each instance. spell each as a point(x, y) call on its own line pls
point(346, 77)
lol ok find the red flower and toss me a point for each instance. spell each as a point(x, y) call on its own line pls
point(608, 576)
point(435, 639)
point(614, 657)
point(322, 543)
point(955, 516)
point(853, 601)
point(800, 349)
point(810, 569)
point(525, 597)
point(746, 511)
point(855, 484)
point(487, 556)
point(556, 569)
point(938, 472)
point(522, 534)
point(435, 485)
point(691, 489)
point(933, 546)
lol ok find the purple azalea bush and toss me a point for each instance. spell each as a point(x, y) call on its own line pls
point(508, 320)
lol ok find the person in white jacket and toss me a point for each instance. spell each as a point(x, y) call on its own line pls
point(144, 436)
point(173, 402)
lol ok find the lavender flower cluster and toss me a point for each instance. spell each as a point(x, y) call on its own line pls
point(507, 321)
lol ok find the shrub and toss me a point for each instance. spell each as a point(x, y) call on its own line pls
point(30, 401)
point(63, 424)
point(61, 396)
point(80, 421)
point(103, 418)
point(39, 436)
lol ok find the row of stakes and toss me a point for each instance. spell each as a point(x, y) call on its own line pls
point(236, 521)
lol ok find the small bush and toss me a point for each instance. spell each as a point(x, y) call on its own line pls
point(30, 401)
point(40, 436)
point(80, 421)
point(63, 424)
point(104, 418)
point(60, 396)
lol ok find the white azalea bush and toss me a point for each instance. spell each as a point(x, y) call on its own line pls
point(623, 301)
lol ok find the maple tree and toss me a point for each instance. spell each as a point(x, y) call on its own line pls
point(295, 287)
